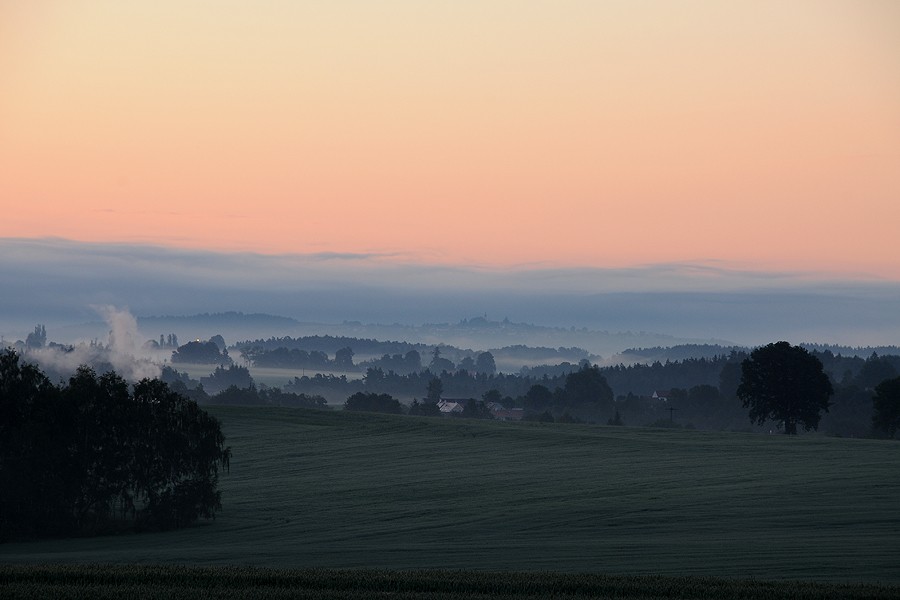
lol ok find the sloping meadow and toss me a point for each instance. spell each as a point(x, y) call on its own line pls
point(347, 490)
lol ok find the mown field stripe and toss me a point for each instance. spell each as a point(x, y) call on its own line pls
point(107, 581)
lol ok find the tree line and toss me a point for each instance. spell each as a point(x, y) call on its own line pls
point(700, 393)
point(314, 352)
point(778, 383)
point(97, 454)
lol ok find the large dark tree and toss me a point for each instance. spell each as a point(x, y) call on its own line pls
point(93, 455)
point(886, 403)
point(176, 460)
point(784, 383)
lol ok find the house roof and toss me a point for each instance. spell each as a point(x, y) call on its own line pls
point(449, 406)
point(509, 414)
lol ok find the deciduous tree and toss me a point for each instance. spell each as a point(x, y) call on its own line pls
point(784, 383)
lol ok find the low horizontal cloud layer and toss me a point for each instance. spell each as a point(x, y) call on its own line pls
point(59, 282)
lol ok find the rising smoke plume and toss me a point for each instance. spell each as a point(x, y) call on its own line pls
point(122, 353)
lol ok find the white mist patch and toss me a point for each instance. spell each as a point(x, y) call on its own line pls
point(123, 329)
point(125, 347)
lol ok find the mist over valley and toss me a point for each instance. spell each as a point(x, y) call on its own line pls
point(58, 283)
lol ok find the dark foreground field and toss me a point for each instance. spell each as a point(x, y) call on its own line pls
point(138, 583)
point(342, 490)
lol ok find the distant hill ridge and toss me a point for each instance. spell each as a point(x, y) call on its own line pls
point(684, 351)
point(495, 335)
point(229, 317)
point(477, 332)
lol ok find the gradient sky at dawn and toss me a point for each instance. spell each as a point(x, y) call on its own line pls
point(758, 134)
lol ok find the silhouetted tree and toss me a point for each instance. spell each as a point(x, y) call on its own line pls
point(236, 396)
point(874, 371)
point(371, 402)
point(467, 364)
point(424, 409)
point(588, 387)
point(784, 383)
point(374, 378)
point(484, 363)
point(616, 419)
point(413, 361)
point(476, 409)
point(279, 398)
point(101, 445)
point(202, 353)
point(439, 363)
point(37, 338)
point(492, 395)
point(343, 358)
point(219, 341)
point(177, 457)
point(435, 390)
point(730, 378)
point(223, 378)
point(32, 450)
point(886, 404)
point(538, 398)
point(79, 458)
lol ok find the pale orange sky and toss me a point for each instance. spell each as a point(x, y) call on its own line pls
point(764, 134)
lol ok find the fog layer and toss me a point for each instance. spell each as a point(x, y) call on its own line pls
point(61, 282)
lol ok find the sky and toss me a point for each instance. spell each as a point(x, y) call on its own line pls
point(567, 134)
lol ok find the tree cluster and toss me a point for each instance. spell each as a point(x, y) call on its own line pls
point(223, 378)
point(370, 402)
point(403, 364)
point(284, 358)
point(201, 353)
point(97, 454)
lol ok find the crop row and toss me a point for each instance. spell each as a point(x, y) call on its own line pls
point(139, 582)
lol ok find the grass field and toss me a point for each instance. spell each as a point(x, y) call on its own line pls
point(343, 490)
